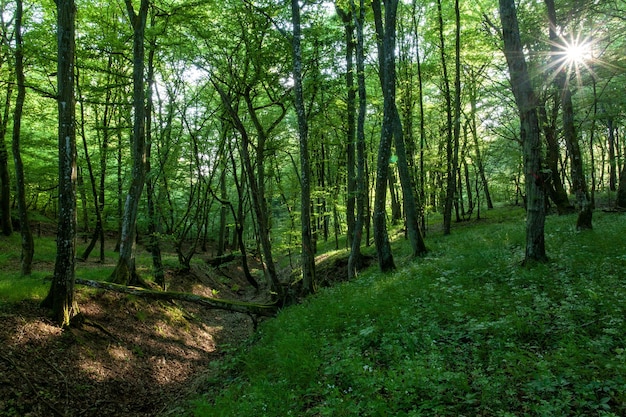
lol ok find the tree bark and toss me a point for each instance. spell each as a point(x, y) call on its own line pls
point(348, 22)
point(529, 133)
point(385, 39)
point(308, 254)
point(450, 167)
point(61, 295)
point(125, 271)
point(355, 259)
point(154, 243)
point(5, 178)
point(28, 246)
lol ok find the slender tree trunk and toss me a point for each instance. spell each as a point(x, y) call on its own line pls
point(422, 130)
point(612, 159)
point(621, 190)
point(479, 158)
point(221, 239)
point(153, 231)
point(355, 260)
point(255, 185)
point(5, 178)
point(351, 163)
point(308, 255)
point(125, 271)
point(99, 230)
point(61, 295)
point(527, 105)
point(28, 246)
point(396, 205)
point(579, 184)
point(385, 41)
point(450, 167)
point(555, 185)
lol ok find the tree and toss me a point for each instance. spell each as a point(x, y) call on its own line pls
point(125, 271)
point(561, 81)
point(308, 254)
point(60, 298)
point(385, 40)
point(355, 260)
point(28, 246)
point(451, 138)
point(5, 177)
point(529, 132)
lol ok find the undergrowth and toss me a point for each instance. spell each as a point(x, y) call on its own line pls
point(465, 331)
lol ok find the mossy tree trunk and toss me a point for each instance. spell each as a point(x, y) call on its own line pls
point(125, 271)
point(385, 39)
point(61, 295)
point(527, 104)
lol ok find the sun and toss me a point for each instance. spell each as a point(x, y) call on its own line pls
point(576, 52)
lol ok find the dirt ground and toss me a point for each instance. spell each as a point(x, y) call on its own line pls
point(131, 357)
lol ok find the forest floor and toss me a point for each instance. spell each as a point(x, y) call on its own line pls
point(131, 357)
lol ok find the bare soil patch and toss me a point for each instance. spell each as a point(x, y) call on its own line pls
point(131, 357)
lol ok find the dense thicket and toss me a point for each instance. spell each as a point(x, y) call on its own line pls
point(215, 106)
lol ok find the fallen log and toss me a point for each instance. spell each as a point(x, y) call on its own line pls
point(220, 260)
point(267, 310)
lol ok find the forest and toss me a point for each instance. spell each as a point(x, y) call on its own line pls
point(204, 168)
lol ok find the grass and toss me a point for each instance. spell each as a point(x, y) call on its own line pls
point(465, 331)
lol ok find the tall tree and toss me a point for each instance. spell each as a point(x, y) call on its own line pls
point(529, 133)
point(5, 177)
point(386, 35)
point(348, 22)
point(355, 259)
point(386, 42)
point(28, 246)
point(125, 271)
point(308, 255)
point(561, 81)
point(450, 138)
point(61, 295)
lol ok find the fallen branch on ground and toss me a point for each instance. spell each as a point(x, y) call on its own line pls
point(267, 310)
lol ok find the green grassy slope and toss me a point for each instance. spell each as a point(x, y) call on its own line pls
point(465, 331)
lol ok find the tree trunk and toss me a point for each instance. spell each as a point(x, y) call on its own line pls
point(612, 158)
point(28, 246)
point(351, 163)
point(450, 166)
point(621, 189)
point(125, 271)
point(479, 159)
point(99, 229)
point(527, 105)
point(154, 244)
point(255, 184)
point(5, 177)
point(579, 184)
point(61, 295)
point(308, 255)
point(385, 39)
point(555, 185)
point(356, 259)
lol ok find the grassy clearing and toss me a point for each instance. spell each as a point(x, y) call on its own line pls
point(465, 331)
